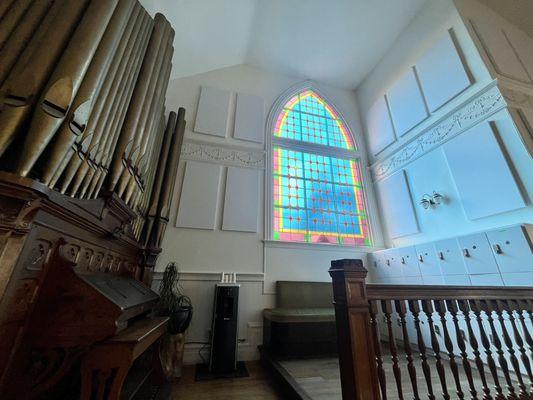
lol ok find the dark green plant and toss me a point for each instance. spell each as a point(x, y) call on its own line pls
point(172, 302)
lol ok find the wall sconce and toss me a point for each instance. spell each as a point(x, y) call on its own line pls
point(433, 200)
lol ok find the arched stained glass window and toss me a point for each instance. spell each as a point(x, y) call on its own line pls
point(317, 189)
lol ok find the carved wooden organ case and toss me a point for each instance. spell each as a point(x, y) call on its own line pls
point(87, 167)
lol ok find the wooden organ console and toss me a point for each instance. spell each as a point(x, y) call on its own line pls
point(88, 162)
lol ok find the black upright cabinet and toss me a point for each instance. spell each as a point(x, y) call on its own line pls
point(224, 329)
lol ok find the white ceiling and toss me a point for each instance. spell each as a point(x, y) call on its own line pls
point(332, 41)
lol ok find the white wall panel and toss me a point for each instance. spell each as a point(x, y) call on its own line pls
point(482, 176)
point(441, 72)
point(397, 206)
point(379, 126)
point(406, 103)
point(499, 51)
point(213, 111)
point(250, 118)
point(241, 203)
point(199, 196)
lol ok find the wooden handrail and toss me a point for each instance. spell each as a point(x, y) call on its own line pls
point(494, 326)
point(438, 292)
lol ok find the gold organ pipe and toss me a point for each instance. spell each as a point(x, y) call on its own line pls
point(136, 138)
point(157, 184)
point(21, 89)
point(21, 35)
point(4, 7)
point(80, 111)
point(12, 19)
point(138, 99)
point(113, 130)
point(136, 155)
point(65, 81)
point(103, 95)
point(121, 93)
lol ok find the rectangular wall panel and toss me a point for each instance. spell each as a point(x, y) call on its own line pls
point(482, 176)
point(406, 103)
point(213, 111)
point(379, 126)
point(500, 52)
point(397, 205)
point(241, 204)
point(250, 118)
point(441, 72)
point(199, 196)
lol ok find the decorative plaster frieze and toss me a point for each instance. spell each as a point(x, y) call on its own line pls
point(223, 154)
point(459, 120)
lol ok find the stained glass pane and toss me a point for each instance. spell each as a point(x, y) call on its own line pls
point(318, 199)
point(307, 117)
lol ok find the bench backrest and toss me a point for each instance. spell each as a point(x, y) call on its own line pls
point(291, 294)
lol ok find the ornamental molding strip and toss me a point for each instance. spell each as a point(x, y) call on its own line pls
point(222, 154)
point(489, 101)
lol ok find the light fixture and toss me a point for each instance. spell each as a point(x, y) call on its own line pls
point(433, 200)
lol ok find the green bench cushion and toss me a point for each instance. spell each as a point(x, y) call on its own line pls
point(292, 294)
point(287, 315)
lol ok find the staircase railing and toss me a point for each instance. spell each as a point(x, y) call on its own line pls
point(431, 342)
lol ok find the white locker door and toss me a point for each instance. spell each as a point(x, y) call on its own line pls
point(392, 261)
point(512, 249)
point(378, 266)
point(427, 259)
point(477, 254)
point(408, 260)
point(486, 280)
point(372, 268)
point(450, 257)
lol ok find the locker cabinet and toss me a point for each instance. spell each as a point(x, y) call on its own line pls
point(377, 265)
point(427, 259)
point(486, 280)
point(450, 257)
point(457, 280)
point(392, 263)
point(512, 249)
point(477, 254)
point(408, 261)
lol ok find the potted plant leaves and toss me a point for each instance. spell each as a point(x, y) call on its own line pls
point(178, 307)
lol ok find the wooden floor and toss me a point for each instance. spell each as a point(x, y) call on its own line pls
point(258, 386)
point(320, 379)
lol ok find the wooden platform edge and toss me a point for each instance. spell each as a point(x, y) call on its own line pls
point(282, 376)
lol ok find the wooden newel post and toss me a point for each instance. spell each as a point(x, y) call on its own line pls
point(356, 349)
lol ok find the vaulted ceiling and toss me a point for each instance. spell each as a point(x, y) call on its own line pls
point(332, 41)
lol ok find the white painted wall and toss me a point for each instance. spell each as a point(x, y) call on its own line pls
point(203, 254)
point(429, 171)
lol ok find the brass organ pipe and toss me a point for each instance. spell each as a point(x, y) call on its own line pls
point(116, 91)
point(12, 18)
point(168, 182)
point(115, 128)
point(65, 81)
point(161, 164)
point(80, 111)
point(103, 95)
point(21, 35)
point(136, 138)
point(146, 133)
point(21, 89)
point(139, 96)
point(105, 133)
point(152, 138)
point(71, 163)
point(4, 7)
